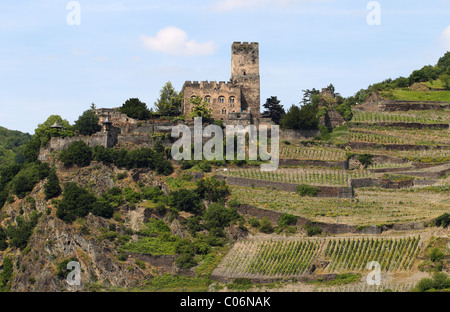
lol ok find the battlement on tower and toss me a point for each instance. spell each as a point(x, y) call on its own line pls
point(245, 46)
point(210, 85)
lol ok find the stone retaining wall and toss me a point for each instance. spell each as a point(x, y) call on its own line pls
point(395, 147)
point(316, 163)
point(325, 191)
point(406, 125)
point(383, 183)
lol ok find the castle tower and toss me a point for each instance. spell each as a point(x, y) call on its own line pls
point(245, 73)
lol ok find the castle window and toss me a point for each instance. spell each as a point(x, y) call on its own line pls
point(221, 99)
point(232, 99)
point(224, 111)
point(207, 99)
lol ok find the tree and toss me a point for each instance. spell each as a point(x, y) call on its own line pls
point(52, 188)
point(77, 202)
point(169, 102)
point(444, 61)
point(78, 153)
point(273, 109)
point(28, 177)
point(88, 122)
point(44, 132)
point(304, 118)
point(136, 109)
point(200, 109)
point(445, 80)
point(218, 216)
point(186, 200)
point(164, 167)
point(308, 94)
point(212, 189)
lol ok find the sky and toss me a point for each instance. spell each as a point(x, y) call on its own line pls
point(58, 56)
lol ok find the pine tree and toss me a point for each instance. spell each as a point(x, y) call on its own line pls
point(52, 188)
point(274, 110)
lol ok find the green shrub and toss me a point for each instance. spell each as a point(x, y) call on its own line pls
point(266, 226)
point(365, 159)
point(436, 255)
point(122, 175)
point(164, 167)
point(212, 189)
point(62, 270)
point(6, 274)
point(78, 153)
point(443, 220)
point(218, 216)
point(52, 188)
point(312, 230)
point(186, 251)
point(186, 200)
point(440, 281)
point(131, 196)
point(77, 202)
point(19, 235)
point(28, 177)
point(307, 190)
point(286, 220)
point(3, 239)
point(254, 222)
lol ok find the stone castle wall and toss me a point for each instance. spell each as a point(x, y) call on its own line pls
point(225, 97)
point(245, 72)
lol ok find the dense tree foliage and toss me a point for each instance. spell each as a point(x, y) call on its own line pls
point(77, 202)
point(200, 109)
point(212, 189)
point(169, 102)
point(136, 109)
point(19, 235)
point(274, 109)
point(12, 144)
point(52, 187)
point(78, 153)
point(87, 123)
point(186, 200)
point(304, 118)
point(25, 180)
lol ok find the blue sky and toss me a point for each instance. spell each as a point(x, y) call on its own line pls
point(123, 49)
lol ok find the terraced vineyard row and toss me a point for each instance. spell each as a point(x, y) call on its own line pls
point(377, 138)
point(330, 177)
point(353, 254)
point(275, 258)
point(311, 153)
point(281, 258)
point(373, 117)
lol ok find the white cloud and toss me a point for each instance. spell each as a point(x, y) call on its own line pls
point(445, 38)
point(175, 41)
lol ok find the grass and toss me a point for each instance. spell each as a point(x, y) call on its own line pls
point(341, 279)
point(370, 206)
point(403, 95)
point(155, 246)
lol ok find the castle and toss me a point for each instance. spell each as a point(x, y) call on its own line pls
point(237, 99)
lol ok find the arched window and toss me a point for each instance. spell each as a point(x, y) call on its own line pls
point(221, 99)
point(207, 99)
point(232, 99)
point(224, 111)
